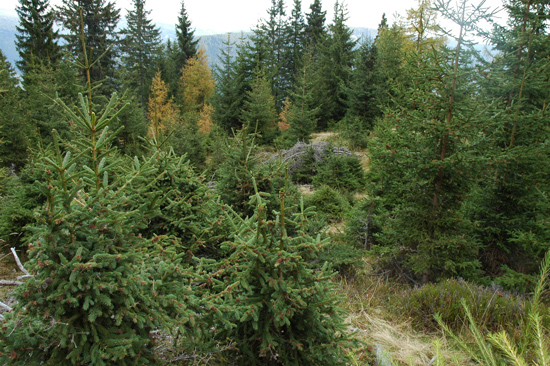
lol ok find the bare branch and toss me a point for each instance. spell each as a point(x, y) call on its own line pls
point(2, 305)
point(10, 283)
point(19, 263)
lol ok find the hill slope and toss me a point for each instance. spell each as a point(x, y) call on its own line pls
point(212, 43)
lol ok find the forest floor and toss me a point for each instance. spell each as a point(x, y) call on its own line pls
point(8, 271)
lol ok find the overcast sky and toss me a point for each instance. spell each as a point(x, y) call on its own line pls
point(232, 15)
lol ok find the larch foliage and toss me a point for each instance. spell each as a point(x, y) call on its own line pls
point(161, 110)
point(197, 83)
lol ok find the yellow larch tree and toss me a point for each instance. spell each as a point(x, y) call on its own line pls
point(197, 86)
point(161, 111)
point(285, 116)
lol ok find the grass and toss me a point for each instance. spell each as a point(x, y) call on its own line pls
point(392, 337)
point(8, 271)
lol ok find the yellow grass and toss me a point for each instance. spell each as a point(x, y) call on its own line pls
point(365, 297)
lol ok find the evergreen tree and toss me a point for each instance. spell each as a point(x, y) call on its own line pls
point(22, 197)
point(361, 95)
point(89, 300)
point(186, 46)
point(140, 50)
point(15, 129)
point(315, 29)
point(259, 113)
point(36, 38)
point(99, 20)
point(43, 84)
point(277, 306)
point(391, 45)
point(424, 159)
point(227, 97)
point(296, 39)
point(270, 48)
point(509, 207)
point(169, 67)
point(186, 209)
point(236, 174)
point(135, 125)
point(302, 112)
point(241, 76)
point(336, 60)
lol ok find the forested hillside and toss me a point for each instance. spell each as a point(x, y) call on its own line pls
point(212, 43)
point(166, 211)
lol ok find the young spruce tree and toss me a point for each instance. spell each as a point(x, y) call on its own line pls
point(97, 287)
point(275, 304)
point(424, 155)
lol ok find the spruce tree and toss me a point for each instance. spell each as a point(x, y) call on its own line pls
point(315, 29)
point(296, 39)
point(302, 112)
point(169, 68)
point(88, 301)
point(270, 47)
point(140, 50)
point(43, 84)
point(259, 113)
point(226, 98)
point(99, 23)
point(135, 125)
point(186, 46)
point(97, 287)
point(509, 206)
point(362, 98)
point(235, 176)
point(336, 55)
point(275, 303)
point(425, 158)
point(16, 131)
point(36, 38)
point(392, 45)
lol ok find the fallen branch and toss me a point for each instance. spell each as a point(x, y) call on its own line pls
point(10, 283)
point(4, 306)
point(19, 264)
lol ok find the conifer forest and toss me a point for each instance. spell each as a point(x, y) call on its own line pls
point(313, 199)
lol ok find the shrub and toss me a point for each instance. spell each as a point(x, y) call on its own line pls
point(341, 172)
point(234, 178)
point(355, 131)
point(329, 203)
point(490, 308)
point(528, 344)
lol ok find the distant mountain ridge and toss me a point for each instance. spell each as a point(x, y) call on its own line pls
point(211, 41)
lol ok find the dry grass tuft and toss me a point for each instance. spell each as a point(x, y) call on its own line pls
point(366, 298)
point(8, 271)
point(323, 136)
point(306, 190)
point(337, 227)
